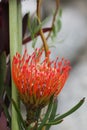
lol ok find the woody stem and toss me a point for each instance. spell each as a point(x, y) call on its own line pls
point(46, 48)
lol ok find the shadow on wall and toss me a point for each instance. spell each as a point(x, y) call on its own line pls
point(73, 47)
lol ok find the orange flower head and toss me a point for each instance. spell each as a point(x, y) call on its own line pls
point(38, 80)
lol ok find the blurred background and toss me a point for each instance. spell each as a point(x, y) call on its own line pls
point(71, 43)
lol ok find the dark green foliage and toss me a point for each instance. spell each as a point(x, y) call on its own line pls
point(2, 72)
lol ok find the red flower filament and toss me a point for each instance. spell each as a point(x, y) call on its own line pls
point(37, 81)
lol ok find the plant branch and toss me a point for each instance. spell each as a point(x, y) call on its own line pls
point(54, 17)
point(28, 39)
point(45, 45)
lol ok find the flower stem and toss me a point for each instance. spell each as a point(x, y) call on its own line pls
point(15, 46)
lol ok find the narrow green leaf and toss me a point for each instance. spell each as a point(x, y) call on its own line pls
point(57, 25)
point(34, 42)
point(52, 115)
point(54, 123)
point(34, 26)
point(47, 114)
point(54, 109)
point(77, 106)
point(59, 119)
point(37, 28)
point(29, 24)
point(19, 114)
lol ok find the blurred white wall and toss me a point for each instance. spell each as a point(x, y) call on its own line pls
point(73, 47)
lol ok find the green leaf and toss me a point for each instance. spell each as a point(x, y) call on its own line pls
point(34, 42)
point(53, 123)
point(39, 26)
point(2, 71)
point(77, 106)
point(47, 114)
point(34, 27)
point(54, 109)
point(54, 30)
point(59, 119)
point(59, 25)
point(19, 114)
point(52, 115)
point(60, 12)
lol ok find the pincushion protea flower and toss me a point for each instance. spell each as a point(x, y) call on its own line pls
point(37, 80)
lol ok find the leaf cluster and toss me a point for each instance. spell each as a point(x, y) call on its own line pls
point(50, 118)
